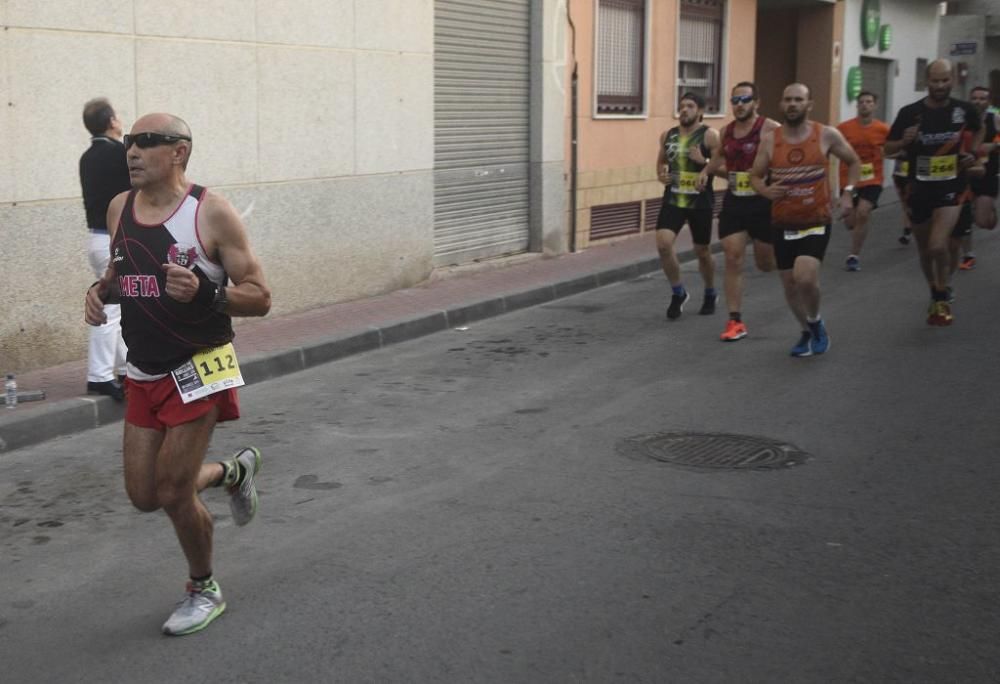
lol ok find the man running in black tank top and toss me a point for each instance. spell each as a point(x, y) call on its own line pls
point(931, 132)
point(984, 188)
point(744, 212)
point(174, 247)
point(684, 151)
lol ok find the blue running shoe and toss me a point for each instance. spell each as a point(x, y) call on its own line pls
point(802, 347)
point(820, 341)
point(853, 263)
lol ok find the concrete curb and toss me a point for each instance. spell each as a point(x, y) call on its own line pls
point(75, 415)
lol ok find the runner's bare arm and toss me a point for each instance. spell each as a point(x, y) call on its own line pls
point(714, 144)
point(717, 162)
point(891, 147)
point(969, 159)
point(758, 173)
point(837, 145)
point(105, 290)
point(661, 161)
point(249, 294)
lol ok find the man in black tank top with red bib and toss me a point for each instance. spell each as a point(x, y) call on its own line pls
point(181, 265)
point(744, 212)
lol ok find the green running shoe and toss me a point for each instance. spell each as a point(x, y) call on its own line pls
point(193, 614)
point(243, 494)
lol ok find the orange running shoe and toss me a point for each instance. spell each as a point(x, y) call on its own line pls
point(968, 263)
point(735, 330)
point(940, 314)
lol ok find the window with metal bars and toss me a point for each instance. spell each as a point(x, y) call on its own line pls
point(621, 56)
point(699, 51)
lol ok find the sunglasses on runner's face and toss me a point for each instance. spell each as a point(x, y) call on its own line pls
point(146, 140)
point(741, 99)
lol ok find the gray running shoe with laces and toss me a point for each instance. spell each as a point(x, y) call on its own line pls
point(196, 611)
point(243, 494)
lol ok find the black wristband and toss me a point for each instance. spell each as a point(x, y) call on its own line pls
point(206, 292)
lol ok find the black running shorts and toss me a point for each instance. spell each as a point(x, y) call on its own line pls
point(986, 186)
point(793, 242)
point(870, 193)
point(699, 220)
point(750, 214)
point(924, 198)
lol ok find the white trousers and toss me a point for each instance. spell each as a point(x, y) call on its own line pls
point(106, 354)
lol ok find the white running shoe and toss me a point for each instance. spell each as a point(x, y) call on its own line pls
point(197, 610)
point(243, 494)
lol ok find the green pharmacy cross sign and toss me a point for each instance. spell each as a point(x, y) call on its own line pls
point(885, 38)
point(871, 18)
point(854, 83)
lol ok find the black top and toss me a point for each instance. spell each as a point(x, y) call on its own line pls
point(103, 174)
point(940, 137)
point(683, 170)
point(161, 332)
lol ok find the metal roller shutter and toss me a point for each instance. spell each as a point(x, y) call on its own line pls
point(875, 77)
point(482, 87)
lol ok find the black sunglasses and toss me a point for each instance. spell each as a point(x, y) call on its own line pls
point(146, 140)
point(735, 99)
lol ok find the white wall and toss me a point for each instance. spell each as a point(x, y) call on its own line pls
point(915, 27)
point(317, 113)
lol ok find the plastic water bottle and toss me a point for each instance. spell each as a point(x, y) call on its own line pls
point(10, 390)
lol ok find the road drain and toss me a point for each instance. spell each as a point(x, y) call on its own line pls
point(713, 451)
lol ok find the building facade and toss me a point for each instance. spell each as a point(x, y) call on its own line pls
point(633, 60)
point(342, 130)
point(970, 36)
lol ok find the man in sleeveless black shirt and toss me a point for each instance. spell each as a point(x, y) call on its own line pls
point(937, 133)
point(173, 246)
point(683, 152)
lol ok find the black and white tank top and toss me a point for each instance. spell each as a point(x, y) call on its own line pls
point(161, 332)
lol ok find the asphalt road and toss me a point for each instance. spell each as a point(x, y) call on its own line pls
point(461, 508)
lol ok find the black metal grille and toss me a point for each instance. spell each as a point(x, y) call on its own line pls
point(610, 220)
point(713, 451)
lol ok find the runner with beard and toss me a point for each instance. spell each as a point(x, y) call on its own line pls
point(792, 170)
point(866, 134)
point(930, 131)
point(984, 188)
point(683, 152)
point(745, 214)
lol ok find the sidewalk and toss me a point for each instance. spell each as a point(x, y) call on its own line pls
point(274, 346)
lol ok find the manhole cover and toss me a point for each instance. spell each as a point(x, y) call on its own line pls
point(714, 450)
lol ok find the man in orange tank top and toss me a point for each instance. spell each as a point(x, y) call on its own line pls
point(791, 170)
point(866, 135)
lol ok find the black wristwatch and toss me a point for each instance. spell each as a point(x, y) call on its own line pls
point(220, 302)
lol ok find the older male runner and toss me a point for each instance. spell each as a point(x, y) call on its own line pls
point(932, 132)
point(683, 152)
point(174, 247)
point(791, 169)
point(744, 212)
point(866, 134)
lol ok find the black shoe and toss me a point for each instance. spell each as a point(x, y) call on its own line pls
point(708, 306)
point(109, 389)
point(904, 239)
point(677, 303)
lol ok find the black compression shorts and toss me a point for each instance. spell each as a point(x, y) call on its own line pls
point(699, 220)
point(791, 243)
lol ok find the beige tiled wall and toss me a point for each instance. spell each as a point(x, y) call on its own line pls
point(612, 186)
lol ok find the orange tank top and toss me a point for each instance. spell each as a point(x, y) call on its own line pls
point(802, 169)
